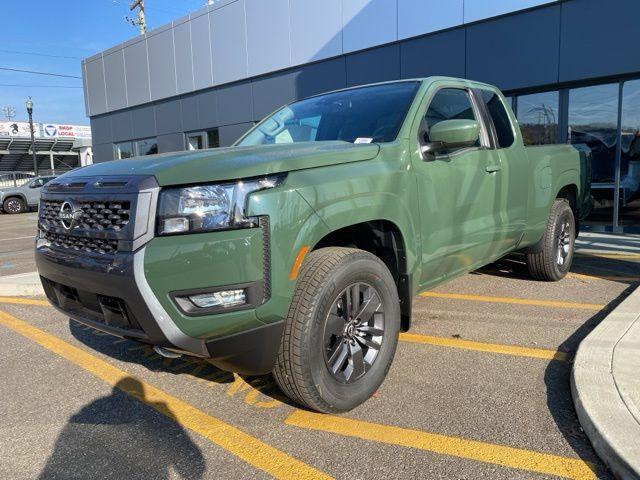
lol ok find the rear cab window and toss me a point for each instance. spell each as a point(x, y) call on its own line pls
point(500, 117)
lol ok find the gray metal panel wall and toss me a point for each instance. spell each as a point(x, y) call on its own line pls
point(183, 57)
point(95, 87)
point(137, 68)
point(207, 103)
point(436, 54)
point(201, 50)
point(368, 22)
point(599, 38)
point(272, 92)
point(321, 77)
point(375, 65)
point(268, 41)
point(169, 116)
point(116, 87)
point(121, 127)
point(143, 122)
point(231, 133)
point(229, 43)
point(101, 129)
point(234, 104)
point(316, 30)
point(189, 107)
point(516, 51)
point(102, 152)
point(415, 17)
point(162, 68)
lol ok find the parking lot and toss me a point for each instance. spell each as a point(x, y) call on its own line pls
point(479, 389)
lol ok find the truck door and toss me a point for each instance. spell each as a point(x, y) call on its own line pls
point(457, 191)
point(511, 178)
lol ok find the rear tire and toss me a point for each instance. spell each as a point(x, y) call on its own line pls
point(14, 205)
point(553, 260)
point(341, 332)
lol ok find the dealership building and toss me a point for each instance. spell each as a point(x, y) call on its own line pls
point(571, 69)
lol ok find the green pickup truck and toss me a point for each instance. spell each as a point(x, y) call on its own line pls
point(298, 250)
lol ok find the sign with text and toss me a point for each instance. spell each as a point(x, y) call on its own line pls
point(18, 129)
point(57, 130)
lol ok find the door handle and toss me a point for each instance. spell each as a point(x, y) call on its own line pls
point(493, 168)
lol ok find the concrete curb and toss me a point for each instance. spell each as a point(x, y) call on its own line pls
point(22, 284)
point(605, 384)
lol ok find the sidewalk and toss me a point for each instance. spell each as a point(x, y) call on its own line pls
point(27, 284)
point(605, 384)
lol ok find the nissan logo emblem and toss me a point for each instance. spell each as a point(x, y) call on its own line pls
point(68, 215)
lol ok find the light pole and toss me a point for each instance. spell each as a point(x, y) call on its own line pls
point(29, 105)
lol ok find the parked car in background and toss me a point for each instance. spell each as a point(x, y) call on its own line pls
point(21, 199)
point(299, 250)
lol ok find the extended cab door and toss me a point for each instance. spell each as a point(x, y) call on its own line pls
point(512, 179)
point(457, 189)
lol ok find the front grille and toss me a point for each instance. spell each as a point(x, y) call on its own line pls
point(82, 244)
point(96, 215)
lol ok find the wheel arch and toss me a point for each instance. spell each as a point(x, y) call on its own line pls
point(570, 193)
point(384, 239)
point(15, 195)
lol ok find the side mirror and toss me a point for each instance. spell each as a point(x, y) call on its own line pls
point(452, 134)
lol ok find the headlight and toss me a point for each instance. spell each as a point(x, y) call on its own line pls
point(203, 208)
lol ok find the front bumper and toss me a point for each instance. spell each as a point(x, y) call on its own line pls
point(114, 296)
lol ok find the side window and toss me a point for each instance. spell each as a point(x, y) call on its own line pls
point(448, 104)
point(500, 118)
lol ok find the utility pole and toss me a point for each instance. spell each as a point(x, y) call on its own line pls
point(141, 22)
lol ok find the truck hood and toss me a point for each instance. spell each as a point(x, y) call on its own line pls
point(231, 162)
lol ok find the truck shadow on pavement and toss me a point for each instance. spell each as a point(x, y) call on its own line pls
point(261, 391)
point(119, 437)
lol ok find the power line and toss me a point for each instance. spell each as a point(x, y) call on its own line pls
point(37, 86)
point(39, 54)
point(39, 73)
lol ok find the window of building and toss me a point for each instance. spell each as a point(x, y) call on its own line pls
point(538, 118)
point(500, 117)
point(593, 120)
point(629, 193)
point(146, 146)
point(124, 150)
point(202, 139)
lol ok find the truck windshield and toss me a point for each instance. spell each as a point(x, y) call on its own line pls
point(363, 115)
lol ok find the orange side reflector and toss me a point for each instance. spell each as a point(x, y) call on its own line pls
point(296, 265)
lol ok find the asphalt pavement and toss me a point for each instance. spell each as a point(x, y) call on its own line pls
point(479, 388)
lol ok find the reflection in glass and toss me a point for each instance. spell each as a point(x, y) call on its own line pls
point(124, 150)
point(593, 120)
point(630, 157)
point(538, 118)
point(147, 146)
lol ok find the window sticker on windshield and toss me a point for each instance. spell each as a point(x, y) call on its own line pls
point(363, 140)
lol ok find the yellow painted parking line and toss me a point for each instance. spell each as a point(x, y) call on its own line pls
point(253, 451)
point(24, 301)
point(517, 301)
point(485, 347)
point(621, 255)
point(613, 278)
point(445, 445)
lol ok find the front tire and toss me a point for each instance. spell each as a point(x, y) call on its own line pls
point(14, 205)
point(553, 261)
point(341, 332)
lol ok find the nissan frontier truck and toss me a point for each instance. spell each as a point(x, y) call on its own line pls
point(299, 249)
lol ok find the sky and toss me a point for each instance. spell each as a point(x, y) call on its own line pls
point(53, 37)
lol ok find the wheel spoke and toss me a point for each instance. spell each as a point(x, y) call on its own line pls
point(338, 357)
point(356, 361)
point(369, 330)
point(369, 307)
point(367, 342)
point(354, 294)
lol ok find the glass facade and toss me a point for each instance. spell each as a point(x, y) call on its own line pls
point(591, 115)
point(630, 155)
point(146, 146)
point(593, 120)
point(538, 116)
